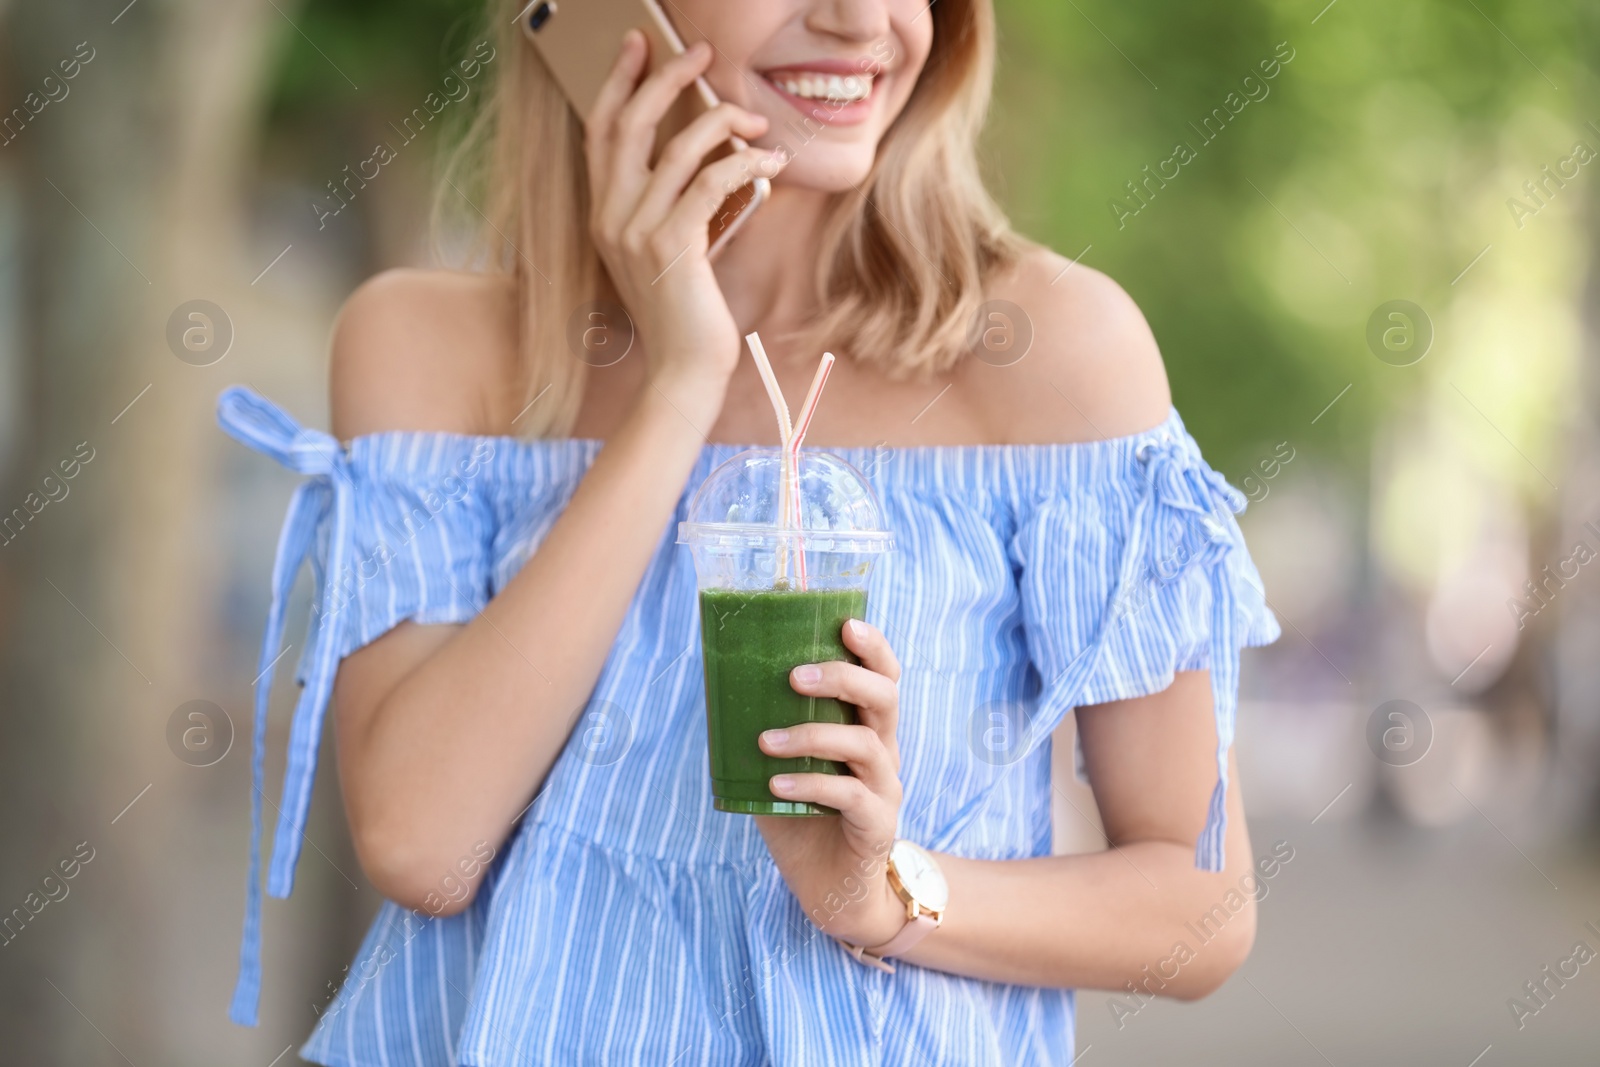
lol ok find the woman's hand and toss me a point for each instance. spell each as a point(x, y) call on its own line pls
point(835, 865)
point(652, 226)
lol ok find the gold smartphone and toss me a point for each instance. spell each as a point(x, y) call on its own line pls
point(578, 41)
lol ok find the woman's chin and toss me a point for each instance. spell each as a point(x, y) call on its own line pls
point(833, 170)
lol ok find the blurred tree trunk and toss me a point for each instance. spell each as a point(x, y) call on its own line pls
point(1577, 667)
point(74, 701)
point(135, 185)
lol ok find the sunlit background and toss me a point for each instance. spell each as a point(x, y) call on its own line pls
point(1366, 236)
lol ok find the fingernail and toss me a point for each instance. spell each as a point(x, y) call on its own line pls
point(775, 738)
point(782, 784)
point(810, 674)
point(857, 628)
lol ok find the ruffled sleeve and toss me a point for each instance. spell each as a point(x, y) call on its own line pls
point(387, 544)
point(1136, 576)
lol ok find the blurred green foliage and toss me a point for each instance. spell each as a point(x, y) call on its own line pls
point(1365, 170)
point(1365, 174)
point(391, 49)
point(347, 68)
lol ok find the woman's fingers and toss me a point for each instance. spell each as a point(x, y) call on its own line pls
point(685, 153)
point(628, 136)
point(868, 690)
point(867, 811)
point(867, 642)
point(614, 93)
point(634, 128)
point(859, 747)
point(692, 215)
point(875, 695)
point(688, 224)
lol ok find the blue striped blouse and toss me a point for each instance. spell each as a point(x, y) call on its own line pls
point(625, 920)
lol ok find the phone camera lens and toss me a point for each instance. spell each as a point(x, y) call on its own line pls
point(540, 15)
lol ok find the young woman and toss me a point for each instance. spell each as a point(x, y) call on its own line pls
point(520, 720)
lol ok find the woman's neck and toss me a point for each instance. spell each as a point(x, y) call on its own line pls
point(766, 270)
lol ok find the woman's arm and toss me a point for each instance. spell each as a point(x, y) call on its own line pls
point(1096, 920)
point(445, 733)
point(1138, 912)
point(1104, 919)
point(1099, 920)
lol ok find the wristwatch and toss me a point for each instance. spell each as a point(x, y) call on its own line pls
point(916, 879)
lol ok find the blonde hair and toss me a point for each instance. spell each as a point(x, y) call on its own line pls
point(902, 270)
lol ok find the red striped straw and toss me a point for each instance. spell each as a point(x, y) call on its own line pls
point(801, 424)
point(790, 435)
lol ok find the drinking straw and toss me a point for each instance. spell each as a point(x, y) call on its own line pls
point(780, 408)
point(797, 436)
point(791, 434)
point(784, 431)
point(814, 394)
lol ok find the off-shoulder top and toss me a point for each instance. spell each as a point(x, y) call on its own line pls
point(627, 921)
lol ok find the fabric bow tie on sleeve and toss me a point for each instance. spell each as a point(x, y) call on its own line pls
point(266, 428)
point(1188, 497)
point(1183, 520)
point(1189, 522)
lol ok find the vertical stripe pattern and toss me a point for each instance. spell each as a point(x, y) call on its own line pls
point(627, 921)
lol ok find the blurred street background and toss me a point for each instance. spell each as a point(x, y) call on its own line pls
point(1367, 236)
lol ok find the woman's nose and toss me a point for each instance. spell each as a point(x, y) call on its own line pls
point(856, 20)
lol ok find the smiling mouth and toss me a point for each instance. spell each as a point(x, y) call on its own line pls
point(822, 87)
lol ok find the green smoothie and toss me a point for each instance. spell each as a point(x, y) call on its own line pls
point(751, 641)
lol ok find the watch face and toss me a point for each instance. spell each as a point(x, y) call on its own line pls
point(920, 874)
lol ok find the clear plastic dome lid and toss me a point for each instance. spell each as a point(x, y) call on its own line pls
point(739, 505)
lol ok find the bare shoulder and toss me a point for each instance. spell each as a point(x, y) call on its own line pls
point(428, 350)
point(1093, 369)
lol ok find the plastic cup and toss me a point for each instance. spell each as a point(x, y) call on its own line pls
point(771, 599)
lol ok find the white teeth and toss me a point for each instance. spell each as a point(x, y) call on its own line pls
point(847, 89)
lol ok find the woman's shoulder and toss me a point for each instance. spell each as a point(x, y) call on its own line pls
point(424, 350)
point(1092, 370)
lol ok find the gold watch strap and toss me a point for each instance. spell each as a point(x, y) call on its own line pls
point(920, 922)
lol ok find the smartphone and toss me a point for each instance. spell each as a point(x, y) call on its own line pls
point(578, 41)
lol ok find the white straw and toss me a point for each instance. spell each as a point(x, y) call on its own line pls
point(780, 408)
point(790, 436)
point(796, 438)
